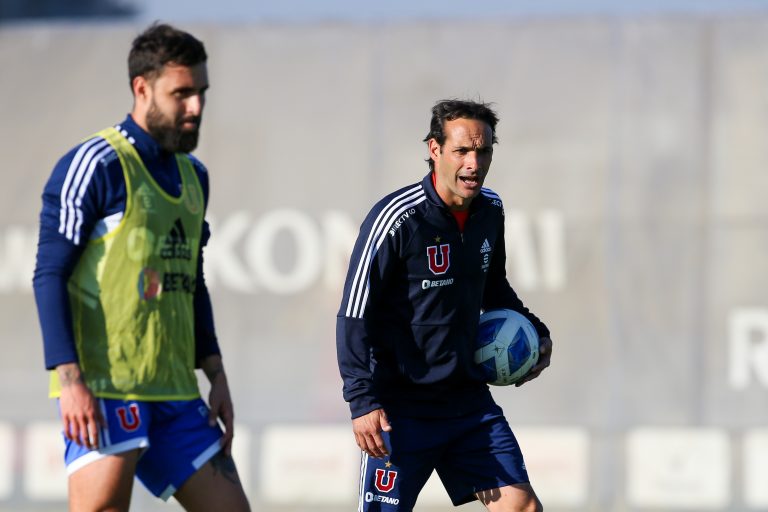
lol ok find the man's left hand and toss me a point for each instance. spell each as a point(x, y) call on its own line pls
point(545, 355)
point(219, 400)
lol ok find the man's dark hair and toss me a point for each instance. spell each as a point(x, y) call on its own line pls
point(161, 44)
point(448, 110)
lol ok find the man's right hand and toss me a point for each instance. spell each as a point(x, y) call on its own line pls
point(368, 428)
point(80, 412)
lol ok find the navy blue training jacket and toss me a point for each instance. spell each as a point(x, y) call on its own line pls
point(412, 298)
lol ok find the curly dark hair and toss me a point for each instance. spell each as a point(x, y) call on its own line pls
point(161, 44)
point(448, 110)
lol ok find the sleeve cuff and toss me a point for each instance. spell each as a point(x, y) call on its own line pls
point(362, 405)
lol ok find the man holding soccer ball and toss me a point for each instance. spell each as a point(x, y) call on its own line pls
point(125, 314)
point(428, 259)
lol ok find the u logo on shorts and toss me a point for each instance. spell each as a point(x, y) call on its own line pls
point(132, 423)
point(381, 484)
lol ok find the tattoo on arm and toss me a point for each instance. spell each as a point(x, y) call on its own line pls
point(225, 465)
point(69, 376)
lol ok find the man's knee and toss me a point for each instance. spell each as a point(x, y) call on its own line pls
point(514, 498)
point(534, 505)
point(530, 504)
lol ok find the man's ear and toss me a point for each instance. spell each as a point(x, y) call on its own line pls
point(434, 149)
point(140, 88)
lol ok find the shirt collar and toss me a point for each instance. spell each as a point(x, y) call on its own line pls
point(432, 195)
point(145, 145)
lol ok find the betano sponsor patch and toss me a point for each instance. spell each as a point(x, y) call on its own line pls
point(427, 283)
point(370, 498)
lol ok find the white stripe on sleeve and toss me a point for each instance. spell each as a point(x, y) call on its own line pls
point(78, 176)
point(358, 293)
point(71, 172)
point(81, 191)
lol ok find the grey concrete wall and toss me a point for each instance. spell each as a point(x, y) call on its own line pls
point(631, 161)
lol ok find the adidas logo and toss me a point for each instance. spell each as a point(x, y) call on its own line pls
point(486, 247)
point(176, 245)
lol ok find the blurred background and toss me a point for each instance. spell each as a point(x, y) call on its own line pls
point(632, 161)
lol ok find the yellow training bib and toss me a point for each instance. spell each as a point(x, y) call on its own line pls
point(131, 293)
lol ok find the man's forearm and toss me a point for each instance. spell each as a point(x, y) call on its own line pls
point(213, 367)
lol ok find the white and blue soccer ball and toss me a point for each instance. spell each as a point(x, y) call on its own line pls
point(507, 346)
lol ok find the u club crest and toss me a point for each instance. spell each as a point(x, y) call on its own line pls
point(385, 480)
point(439, 258)
point(129, 417)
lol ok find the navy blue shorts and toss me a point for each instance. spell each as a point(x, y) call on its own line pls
point(174, 437)
point(472, 453)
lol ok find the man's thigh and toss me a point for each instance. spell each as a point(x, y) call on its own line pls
point(126, 430)
point(471, 453)
point(393, 483)
point(484, 457)
point(215, 486)
point(104, 484)
point(173, 440)
point(180, 443)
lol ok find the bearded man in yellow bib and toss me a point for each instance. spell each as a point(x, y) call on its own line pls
point(125, 314)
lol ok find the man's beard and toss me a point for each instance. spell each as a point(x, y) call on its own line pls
point(168, 132)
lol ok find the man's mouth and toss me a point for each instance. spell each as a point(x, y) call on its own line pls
point(470, 180)
point(190, 123)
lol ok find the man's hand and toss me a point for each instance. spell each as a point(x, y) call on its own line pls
point(219, 400)
point(80, 413)
point(368, 428)
point(545, 355)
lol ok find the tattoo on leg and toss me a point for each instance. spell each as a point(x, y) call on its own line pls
point(225, 465)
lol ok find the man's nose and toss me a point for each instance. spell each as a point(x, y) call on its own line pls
point(470, 161)
point(194, 105)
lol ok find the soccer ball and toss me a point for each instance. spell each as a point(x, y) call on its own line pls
point(507, 346)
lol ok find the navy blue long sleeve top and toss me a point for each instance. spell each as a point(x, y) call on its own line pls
point(88, 186)
point(412, 299)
